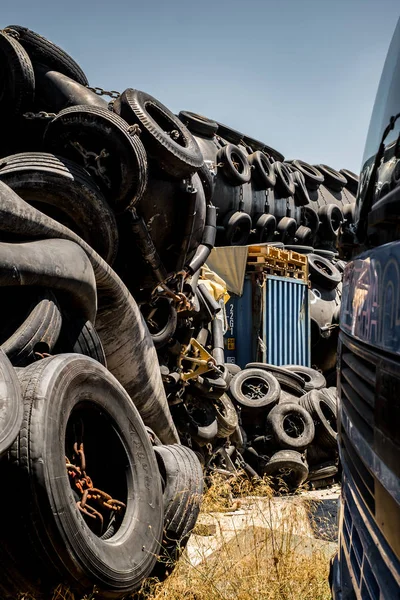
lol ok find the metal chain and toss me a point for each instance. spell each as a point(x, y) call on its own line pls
point(100, 92)
point(39, 115)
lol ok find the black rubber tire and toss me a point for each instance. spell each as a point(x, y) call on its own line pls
point(229, 156)
point(230, 135)
point(161, 335)
point(349, 213)
point(309, 218)
point(331, 398)
point(330, 217)
point(323, 471)
point(287, 229)
point(182, 478)
point(227, 417)
point(198, 124)
point(123, 178)
point(304, 235)
point(237, 228)
point(313, 379)
point(289, 466)
point(58, 544)
point(351, 179)
point(323, 272)
point(265, 226)
point(300, 249)
point(301, 197)
point(332, 179)
point(79, 336)
point(284, 376)
point(312, 176)
point(64, 191)
point(262, 170)
point(17, 82)
point(233, 368)
point(324, 418)
point(284, 185)
point(44, 52)
point(204, 426)
point(11, 406)
point(178, 157)
point(291, 426)
point(267, 393)
point(38, 331)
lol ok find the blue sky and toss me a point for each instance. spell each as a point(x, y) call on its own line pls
point(299, 75)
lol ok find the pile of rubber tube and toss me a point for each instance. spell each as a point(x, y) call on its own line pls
point(108, 212)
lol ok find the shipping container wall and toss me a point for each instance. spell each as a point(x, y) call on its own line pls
point(270, 322)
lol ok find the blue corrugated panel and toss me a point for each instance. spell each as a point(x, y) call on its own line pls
point(286, 325)
point(239, 341)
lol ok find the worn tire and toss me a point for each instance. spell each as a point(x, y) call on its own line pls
point(198, 124)
point(324, 418)
point(59, 546)
point(301, 196)
point(161, 333)
point(66, 192)
point(323, 272)
point(323, 471)
point(291, 426)
point(351, 179)
point(237, 228)
point(262, 170)
point(312, 176)
point(235, 166)
point(17, 85)
point(313, 379)
point(266, 395)
point(230, 135)
point(79, 131)
point(11, 406)
point(227, 417)
point(304, 235)
point(286, 229)
point(289, 466)
point(289, 380)
point(265, 226)
point(182, 479)
point(44, 52)
point(178, 158)
point(38, 331)
point(332, 178)
point(331, 218)
point(79, 336)
point(284, 185)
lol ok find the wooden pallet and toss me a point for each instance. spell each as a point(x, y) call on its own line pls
point(275, 261)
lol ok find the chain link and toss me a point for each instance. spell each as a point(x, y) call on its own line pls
point(100, 92)
point(39, 115)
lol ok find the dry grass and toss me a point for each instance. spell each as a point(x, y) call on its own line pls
point(257, 563)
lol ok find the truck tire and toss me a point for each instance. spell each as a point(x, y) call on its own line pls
point(330, 218)
point(161, 319)
point(324, 418)
point(66, 397)
point(38, 331)
point(65, 191)
point(237, 228)
point(17, 88)
point(235, 166)
point(198, 124)
point(179, 156)
point(322, 471)
point(255, 390)
point(230, 135)
point(182, 480)
point(313, 379)
point(286, 378)
point(265, 228)
point(286, 229)
point(332, 179)
point(11, 406)
point(312, 176)
point(291, 426)
point(79, 131)
point(262, 170)
point(79, 336)
point(44, 52)
point(284, 183)
point(289, 467)
point(323, 272)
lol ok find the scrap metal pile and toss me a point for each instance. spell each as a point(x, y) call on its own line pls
point(113, 382)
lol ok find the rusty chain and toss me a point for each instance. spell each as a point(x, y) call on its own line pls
point(100, 92)
point(84, 486)
point(42, 114)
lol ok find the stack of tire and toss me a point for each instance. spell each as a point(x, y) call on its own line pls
point(287, 420)
point(94, 498)
point(263, 198)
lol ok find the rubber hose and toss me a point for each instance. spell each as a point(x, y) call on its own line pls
point(55, 264)
point(207, 241)
point(219, 356)
point(119, 322)
point(217, 333)
point(208, 298)
point(190, 198)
